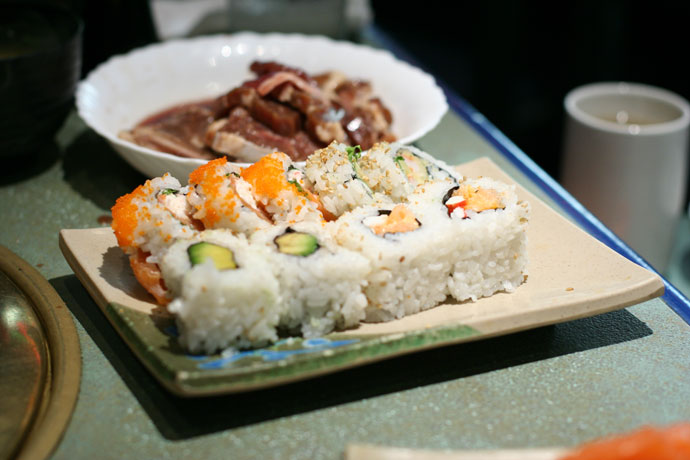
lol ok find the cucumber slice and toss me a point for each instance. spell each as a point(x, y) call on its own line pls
point(413, 167)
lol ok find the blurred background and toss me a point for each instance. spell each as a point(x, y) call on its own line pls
point(512, 60)
point(515, 61)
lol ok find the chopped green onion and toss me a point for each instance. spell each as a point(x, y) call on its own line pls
point(296, 184)
point(354, 153)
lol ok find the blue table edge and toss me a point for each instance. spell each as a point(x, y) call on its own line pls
point(675, 299)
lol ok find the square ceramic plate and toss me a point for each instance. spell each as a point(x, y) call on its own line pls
point(571, 275)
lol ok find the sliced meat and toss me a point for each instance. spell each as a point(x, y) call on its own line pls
point(265, 67)
point(211, 108)
point(376, 104)
point(329, 82)
point(353, 93)
point(280, 118)
point(227, 136)
point(304, 146)
point(162, 141)
point(324, 126)
point(282, 109)
point(274, 81)
point(358, 126)
point(322, 118)
point(367, 120)
point(179, 130)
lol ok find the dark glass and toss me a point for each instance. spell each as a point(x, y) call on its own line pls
point(40, 63)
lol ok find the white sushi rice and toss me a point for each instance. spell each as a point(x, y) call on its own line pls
point(489, 248)
point(217, 309)
point(226, 200)
point(293, 203)
point(160, 216)
point(382, 175)
point(381, 169)
point(334, 179)
point(321, 291)
point(409, 270)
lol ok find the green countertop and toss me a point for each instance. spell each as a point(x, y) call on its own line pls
point(553, 386)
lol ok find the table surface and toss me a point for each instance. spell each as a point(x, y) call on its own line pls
point(553, 386)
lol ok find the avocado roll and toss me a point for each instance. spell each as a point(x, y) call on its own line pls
point(320, 283)
point(225, 292)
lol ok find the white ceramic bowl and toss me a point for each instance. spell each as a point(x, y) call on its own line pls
point(122, 91)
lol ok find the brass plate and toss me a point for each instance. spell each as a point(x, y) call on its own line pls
point(40, 361)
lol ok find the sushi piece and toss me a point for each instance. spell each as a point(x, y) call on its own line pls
point(320, 282)
point(334, 175)
point(409, 271)
point(396, 170)
point(146, 222)
point(225, 292)
point(222, 199)
point(281, 190)
point(482, 227)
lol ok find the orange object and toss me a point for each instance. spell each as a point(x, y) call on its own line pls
point(212, 182)
point(268, 178)
point(149, 276)
point(399, 220)
point(125, 219)
point(479, 199)
point(647, 443)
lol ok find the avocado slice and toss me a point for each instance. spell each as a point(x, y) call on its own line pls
point(222, 257)
point(413, 167)
point(296, 243)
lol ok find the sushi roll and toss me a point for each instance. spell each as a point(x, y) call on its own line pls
point(487, 239)
point(334, 175)
point(483, 230)
point(396, 170)
point(222, 199)
point(242, 256)
point(226, 293)
point(281, 190)
point(409, 270)
point(320, 282)
point(146, 222)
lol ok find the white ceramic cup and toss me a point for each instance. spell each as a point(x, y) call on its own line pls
point(625, 159)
